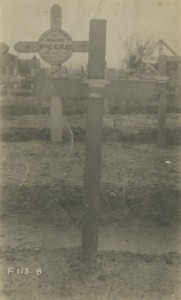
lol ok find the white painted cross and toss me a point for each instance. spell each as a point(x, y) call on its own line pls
point(55, 46)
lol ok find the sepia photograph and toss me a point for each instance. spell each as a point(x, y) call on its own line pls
point(90, 150)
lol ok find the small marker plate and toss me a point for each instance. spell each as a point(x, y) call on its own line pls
point(55, 46)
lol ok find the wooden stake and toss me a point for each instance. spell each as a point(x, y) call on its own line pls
point(178, 86)
point(162, 67)
point(106, 106)
point(95, 111)
point(56, 119)
point(161, 115)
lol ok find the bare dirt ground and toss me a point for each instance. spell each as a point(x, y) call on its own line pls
point(41, 208)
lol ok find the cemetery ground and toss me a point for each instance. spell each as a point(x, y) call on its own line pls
point(41, 204)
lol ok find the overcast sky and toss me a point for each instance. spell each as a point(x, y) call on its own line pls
point(26, 20)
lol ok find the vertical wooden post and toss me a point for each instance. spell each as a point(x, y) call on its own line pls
point(162, 82)
point(106, 106)
point(178, 86)
point(95, 111)
point(161, 114)
point(162, 65)
point(56, 119)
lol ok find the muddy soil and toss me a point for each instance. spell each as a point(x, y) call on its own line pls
point(139, 247)
point(59, 274)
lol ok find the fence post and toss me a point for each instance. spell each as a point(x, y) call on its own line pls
point(178, 86)
point(106, 106)
point(162, 92)
point(161, 112)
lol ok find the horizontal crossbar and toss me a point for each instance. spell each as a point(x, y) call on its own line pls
point(76, 88)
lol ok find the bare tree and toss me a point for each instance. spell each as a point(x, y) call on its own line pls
point(136, 49)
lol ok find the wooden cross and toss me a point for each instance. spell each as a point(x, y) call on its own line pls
point(54, 46)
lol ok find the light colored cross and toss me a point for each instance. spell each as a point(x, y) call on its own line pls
point(55, 46)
